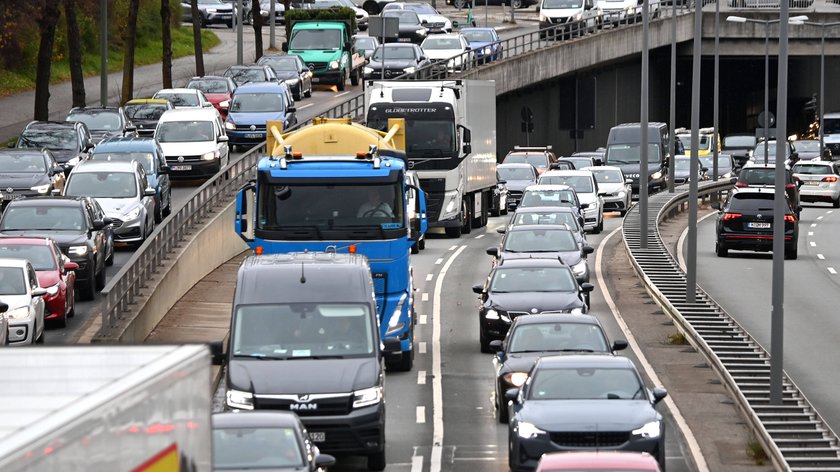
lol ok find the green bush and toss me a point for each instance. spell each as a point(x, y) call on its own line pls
point(343, 13)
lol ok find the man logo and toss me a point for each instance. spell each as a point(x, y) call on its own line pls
point(303, 406)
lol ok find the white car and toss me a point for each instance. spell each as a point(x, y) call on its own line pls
point(429, 17)
point(820, 181)
point(184, 98)
point(447, 48)
point(194, 142)
point(613, 187)
point(586, 188)
point(626, 10)
point(19, 290)
point(572, 15)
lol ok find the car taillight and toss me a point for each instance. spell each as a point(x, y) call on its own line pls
point(741, 184)
point(731, 216)
point(790, 219)
point(829, 179)
point(790, 186)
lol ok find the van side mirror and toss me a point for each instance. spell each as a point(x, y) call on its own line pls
point(619, 345)
point(493, 251)
point(217, 352)
point(285, 46)
point(478, 289)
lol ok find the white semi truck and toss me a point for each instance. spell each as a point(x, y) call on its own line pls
point(450, 143)
point(114, 408)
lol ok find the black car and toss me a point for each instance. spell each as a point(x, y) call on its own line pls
point(275, 440)
point(144, 113)
point(517, 177)
point(411, 28)
point(69, 142)
point(28, 172)
point(682, 169)
point(739, 146)
point(583, 401)
point(210, 12)
point(103, 122)
point(398, 58)
point(522, 287)
point(250, 73)
point(764, 176)
point(745, 222)
point(77, 224)
point(596, 155)
point(549, 216)
point(554, 241)
point(291, 70)
point(533, 336)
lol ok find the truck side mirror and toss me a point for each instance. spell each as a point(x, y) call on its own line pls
point(466, 138)
point(391, 344)
point(217, 352)
point(244, 199)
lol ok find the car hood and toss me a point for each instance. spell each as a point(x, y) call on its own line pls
point(260, 118)
point(272, 377)
point(188, 149)
point(21, 180)
point(518, 185)
point(611, 188)
point(287, 75)
point(16, 301)
point(47, 278)
point(116, 207)
point(535, 301)
point(393, 63)
point(433, 18)
point(569, 258)
point(587, 415)
point(215, 98)
point(63, 238)
point(440, 53)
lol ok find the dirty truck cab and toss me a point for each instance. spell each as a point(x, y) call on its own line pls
point(624, 151)
point(304, 337)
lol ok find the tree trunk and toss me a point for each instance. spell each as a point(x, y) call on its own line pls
point(46, 25)
point(166, 40)
point(74, 54)
point(128, 54)
point(199, 52)
point(258, 24)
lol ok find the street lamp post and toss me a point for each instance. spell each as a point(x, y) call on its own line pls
point(673, 115)
point(821, 115)
point(716, 98)
point(694, 171)
point(643, 128)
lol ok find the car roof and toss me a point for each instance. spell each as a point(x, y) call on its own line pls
point(94, 110)
point(254, 419)
point(265, 87)
point(594, 168)
point(178, 90)
point(446, 36)
point(20, 263)
point(398, 45)
point(217, 77)
point(29, 240)
point(593, 460)
point(547, 187)
point(126, 143)
point(520, 165)
point(761, 165)
point(144, 101)
point(543, 261)
point(539, 227)
point(248, 66)
point(188, 114)
point(539, 318)
point(592, 360)
point(562, 172)
point(544, 209)
point(476, 29)
point(107, 166)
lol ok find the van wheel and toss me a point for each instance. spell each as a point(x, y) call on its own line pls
point(342, 81)
point(376, 461)
point(354, 78)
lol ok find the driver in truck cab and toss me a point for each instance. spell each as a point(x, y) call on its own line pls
point(374, 206)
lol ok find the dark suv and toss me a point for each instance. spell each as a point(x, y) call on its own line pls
point(764, 176)
point(69, 142)
point(103, 122)
point(77, 224)
point(745, 222)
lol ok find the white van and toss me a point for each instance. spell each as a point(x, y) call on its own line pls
point(572, 15)
point(626, 10)
point(193, 141)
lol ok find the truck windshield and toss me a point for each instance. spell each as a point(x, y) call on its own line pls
point(303, 330)
point(618, 154)
point(331, 207)
point(430, 137)
point(315, 39)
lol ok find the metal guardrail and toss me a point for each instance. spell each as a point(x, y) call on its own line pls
point(793, 434)
point(769, 4)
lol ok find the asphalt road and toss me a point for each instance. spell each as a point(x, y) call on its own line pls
point(741, 283)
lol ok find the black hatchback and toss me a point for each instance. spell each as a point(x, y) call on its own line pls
point(745, 222)
point(28, 172)
point(69, 142)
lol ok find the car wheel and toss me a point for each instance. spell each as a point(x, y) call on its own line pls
point(485, 343)
point(168, 209)
point(61, 321)
point(792, 252)
point(40, 339)
point(422, 242)
point(229, 24)
point(376, 461)
point(517, 4)
point(342, 81)
point(72, 297)
point(721, 250)
point(502, 415)
point(459, 4)
point(88, 291)
point(109, 261)
point(100, 279)
point(308, 92)
point(354, 78)
point(836, 203)
point(158, 211)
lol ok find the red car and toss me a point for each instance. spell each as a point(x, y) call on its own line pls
point(217, 89)
point(595, 461)
point(55, 273)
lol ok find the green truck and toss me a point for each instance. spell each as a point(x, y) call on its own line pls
point(327, 49)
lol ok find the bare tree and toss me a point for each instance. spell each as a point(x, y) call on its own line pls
point(74, 53)
point(199, 52)
point(166, 42)
point(46, 25)
point(129, 39)
point(257, 21)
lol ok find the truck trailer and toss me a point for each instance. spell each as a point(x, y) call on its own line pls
point(114, 408)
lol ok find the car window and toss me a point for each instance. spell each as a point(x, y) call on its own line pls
point(581, 183)
point(549, 198)
point(516, 173)
point(53, 139)
point(540, 161)
point(546, 218)
point(102, 184)
point(185, 131)
point(586, 384)
point(557, 337)
point(533, 279)
point(145, 159)
point(12, 281)
point(540, 240)
point(256, 448)
point(102, 120)
point(758, 176)
point(806, 168)
point(23, 163)
point(42, 218)
point(751, 202)
point(33, 277)
point(40, 256)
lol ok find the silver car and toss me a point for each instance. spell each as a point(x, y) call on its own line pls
point(588, 192)
point(19, 289)
point(820, 181)
point(613, 187)
point(123, 192)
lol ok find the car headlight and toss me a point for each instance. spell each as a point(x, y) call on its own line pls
point(239, 399)
point(132, 214)
point(649, 430)
point(78, 250)
point(333, 64)
point(630, 10)
point(578, 17)
point(211, 10)
point(368, 70)
point(579, 269)
point(209, 156)
point(20, 313)
point(656, 175)
point(367, 397)
point(409, 70)
point(41, 188)
point(491, 314)
point(229, 125)
point(72, 162)
point(543, 18)
point(225, 104)
point(528, 430)
point(488, 51)
point(395, 324)
point(622, 194)
point(52, 290)
point(421, 31)
point(517, 379)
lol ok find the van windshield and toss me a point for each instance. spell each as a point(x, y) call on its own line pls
point(618, 154)
point(303, 331)
point(307, 39)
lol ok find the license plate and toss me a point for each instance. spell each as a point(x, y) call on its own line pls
point(405, 40)
point(318, 437)
point(758, 225)
point(253, 136)
point(812, 182)
point(315, 80)
point(177, 168)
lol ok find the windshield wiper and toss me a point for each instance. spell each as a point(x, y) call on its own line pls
point(262, 357)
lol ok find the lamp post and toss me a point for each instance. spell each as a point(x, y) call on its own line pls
point(716, 98)
point(821, 115)
point(673, 114)
point(693, 170)
point(643, 128)
point(103, 53)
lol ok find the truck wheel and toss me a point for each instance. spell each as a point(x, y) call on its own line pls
point(466, 216)
point(354, 78)
point(422, 242)
point(376, 461)
point(342, 81)
point(415, 248)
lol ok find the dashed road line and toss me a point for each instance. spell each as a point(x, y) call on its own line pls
point(421, 377)
point(421, 414)
point(423, 319)
point(810, 233)
point(820, 217)
point(812, 243)
point(439, 261)
point(452, 248)
point(820, 257)
point(341, 94)
point(421, 347)
point(479, 236)
point(417, 464)
point(829, 212)
point(424, 297)
point(305, 106)
point(429, 277)
point(813, 225)
point(832, 271)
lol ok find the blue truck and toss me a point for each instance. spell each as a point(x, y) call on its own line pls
point(338, 186)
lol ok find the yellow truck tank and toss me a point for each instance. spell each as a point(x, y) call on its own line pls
point(334, 137)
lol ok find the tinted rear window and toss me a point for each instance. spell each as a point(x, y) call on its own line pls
point(752, 201)
point(758, 176)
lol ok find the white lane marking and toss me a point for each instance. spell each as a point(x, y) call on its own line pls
point(341, 94)
point(693, 446)
point(417, 464)
point(681, 242)
point(812, 243)
point(832, 271)
point(452, 248)
point(829, 212)
point(813, 225)
point(437, 383)
point(424, 297)
point(479, 236)
point(423, 319)
point(810, 233)
point(820, 217)
point(429, 277)
point(421, 377)
point(820, 257)
point(421, 414)
point(305, 106)
point(421, 347)
point(439, 261)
